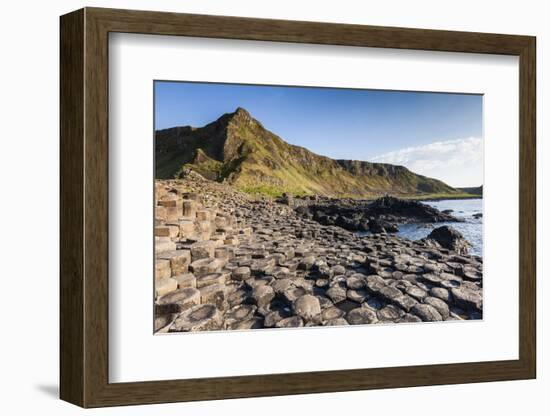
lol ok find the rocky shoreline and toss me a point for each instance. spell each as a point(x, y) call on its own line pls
point(226, 261)
point(378, 216)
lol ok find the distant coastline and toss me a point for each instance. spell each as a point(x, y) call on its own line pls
point(446, 197)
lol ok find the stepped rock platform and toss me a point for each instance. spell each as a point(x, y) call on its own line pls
point(227, 261)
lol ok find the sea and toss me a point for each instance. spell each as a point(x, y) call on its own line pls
point(471, 229)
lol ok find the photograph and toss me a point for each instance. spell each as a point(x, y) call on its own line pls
point(308, 206)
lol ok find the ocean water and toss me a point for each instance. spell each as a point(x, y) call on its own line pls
point(471, 229)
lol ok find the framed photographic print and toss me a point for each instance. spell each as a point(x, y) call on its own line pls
point(261, 207)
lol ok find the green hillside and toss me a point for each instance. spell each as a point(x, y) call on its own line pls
point(238, 150)
point(477, 191)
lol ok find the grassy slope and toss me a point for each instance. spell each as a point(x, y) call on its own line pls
point(238, 150)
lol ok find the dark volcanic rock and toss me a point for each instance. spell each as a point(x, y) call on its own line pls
point(426, 312)
point(377, 226)
point(449, 238)
point(360, 316)
point(412, 210)
point(379, 216)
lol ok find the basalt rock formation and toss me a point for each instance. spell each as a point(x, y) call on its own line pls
point(449, 238)
point(379, 216)
point(226, 261)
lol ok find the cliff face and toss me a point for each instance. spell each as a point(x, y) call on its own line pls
point(238, 150)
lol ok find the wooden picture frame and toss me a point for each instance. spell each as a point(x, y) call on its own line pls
point(84, 207)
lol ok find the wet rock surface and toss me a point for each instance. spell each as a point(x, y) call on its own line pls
point(226, 261)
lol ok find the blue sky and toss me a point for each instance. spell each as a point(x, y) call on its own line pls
point(435, 134)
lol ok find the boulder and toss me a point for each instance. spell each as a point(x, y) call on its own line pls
point(376, 227)
point(203, 250)
point(361, 316)
point(214, 294)
point(189, 208)
point(332, 313)
point(160, 213)
point(426, 312)
point(416, 292)
point(231, 241)
point(238, 313)
point(187, 229)
point(162, 322)
point(389, 313)
point(241, 273)
point(374, 283)
point(280, 285)
point(273, 317)
point(290, 322)
point(163, 244)
point(405, 302)
point(307, 307)
point(211, 279)
point(389, 293)
point(440, 293)
point(263, 295)
point(205, 215)
point(262, 266)
point(172, 207)
point(293, 293)
point(306, 263)
point(356, 281)
point(181, 299)
point(449, 238)
point(169, 200)
point(185, 280)
point(467, 298)
point(438, 304)
point(162, 269)
point(179, 260)
point(338, 270)
point(238, 297)
point(222, 253)
point(198, 318)
point(357, 295)
point(171, 231)
point(337, 293)
point(347, 305)
point(165, 285)
point(206, 266)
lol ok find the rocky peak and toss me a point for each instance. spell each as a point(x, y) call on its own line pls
point(237, 148)
point(242, 117)
point(241, 112)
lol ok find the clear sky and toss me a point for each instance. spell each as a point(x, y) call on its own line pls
point(434, 134)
